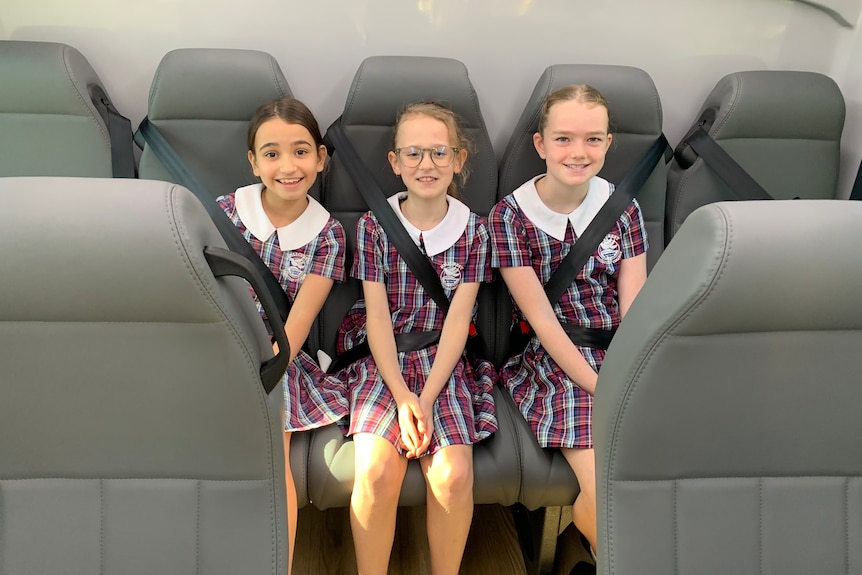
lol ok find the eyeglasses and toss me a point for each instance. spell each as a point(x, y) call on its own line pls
point(441, 156)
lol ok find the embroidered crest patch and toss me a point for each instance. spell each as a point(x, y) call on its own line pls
point(296, 266)
point(609, 250)
point(450, 275)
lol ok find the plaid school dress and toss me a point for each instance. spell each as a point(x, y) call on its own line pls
point(464, 410)
point(558, 411)
point(315, 245)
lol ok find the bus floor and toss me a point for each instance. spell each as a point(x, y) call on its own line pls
point(324, 545)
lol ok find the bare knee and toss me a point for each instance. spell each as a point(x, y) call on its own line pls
point(379, 471)
point(450, 473)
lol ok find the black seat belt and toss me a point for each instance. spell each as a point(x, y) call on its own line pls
point(120, 133)
point(375, 198)
point(856, 193)
point(739, 182)
point(229, 232)
point(588, 242)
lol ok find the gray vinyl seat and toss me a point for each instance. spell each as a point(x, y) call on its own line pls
point(726, 419)
point(381, 87)
point(782, 127)
point(201, 100)
point(636, 122)
point(52, 120)
point(135, 435)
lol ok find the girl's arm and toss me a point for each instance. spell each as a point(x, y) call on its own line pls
point(309, 301)
point(456, 328)
point(531, 298)
point(631, 279)
point(381, 340)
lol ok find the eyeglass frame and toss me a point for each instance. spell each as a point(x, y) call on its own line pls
point(422, 151)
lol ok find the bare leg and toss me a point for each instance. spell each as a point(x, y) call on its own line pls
point(583, 463)
point(291, 502)
point(380, 472)
point(449, 480)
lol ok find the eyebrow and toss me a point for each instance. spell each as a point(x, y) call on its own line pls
point(567, 133)
point(294, 143)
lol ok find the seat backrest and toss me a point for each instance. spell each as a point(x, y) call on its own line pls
point(782, 127)
point(726, 418)
point(49, 123)
point(135, 435)
point(636, 121)
point(201, 100)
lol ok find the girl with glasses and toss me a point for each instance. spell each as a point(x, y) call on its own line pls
point(429, 403)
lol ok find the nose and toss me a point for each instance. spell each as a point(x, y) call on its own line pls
point(426, 155)
point(286, 164)
point(576, 150)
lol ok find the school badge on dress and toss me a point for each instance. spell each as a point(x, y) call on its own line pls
point(450, 275)
point(296, 265)
point(609, 249)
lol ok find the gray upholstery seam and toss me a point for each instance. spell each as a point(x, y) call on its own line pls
point(197, 527)
point(734, 103)
point(760, 522)
point(273, 68)
point(847, 525)
point(728, 477)
point(84, 101)
point(101, 526)
point(520, 142)
point(676, 526)
point(354, 90)
point(2, 526)
point(156, 85)
point(646, 356)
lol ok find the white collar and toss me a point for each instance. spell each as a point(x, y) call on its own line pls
point(290, 237)
point(442, 236)
point(553, 223)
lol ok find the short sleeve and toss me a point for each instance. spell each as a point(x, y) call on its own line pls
point(509, 246)
point(328, 259)
point(368, 260)
point(477, 268)
point(634, 236)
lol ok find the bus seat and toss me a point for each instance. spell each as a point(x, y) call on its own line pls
point(726, 417)
point(201, 100)
point(54, 115)
point(135, 435)
point(381, 87)
point(636, 121)
point(782, 127)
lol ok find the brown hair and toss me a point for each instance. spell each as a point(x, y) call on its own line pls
point(454, 124)
point(583, 93)
point(289, 110)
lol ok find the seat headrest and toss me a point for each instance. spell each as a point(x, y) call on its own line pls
point(106, 250)
point(214, 84)
point(757, 104)
point(46, 78)
point(385, 84)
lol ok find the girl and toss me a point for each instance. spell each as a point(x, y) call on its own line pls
point(431, 403)
point(532, 230)
point(303, 246)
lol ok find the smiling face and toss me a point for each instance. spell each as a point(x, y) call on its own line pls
point(574, 142)
point(427, 180)
point(286, 159)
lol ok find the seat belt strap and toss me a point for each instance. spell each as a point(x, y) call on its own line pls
point(856, 193)
point(235, 241)
point(740, 182)
point(120, 133)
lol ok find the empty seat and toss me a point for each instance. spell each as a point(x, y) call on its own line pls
point(636, 122)
point(782, 127)
point(56, 118)
point(381, 87)
point(135, 435)
point(726, 417)
point(201, 101)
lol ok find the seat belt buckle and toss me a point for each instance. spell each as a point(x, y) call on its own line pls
point(524, 326)
point(472, 332)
